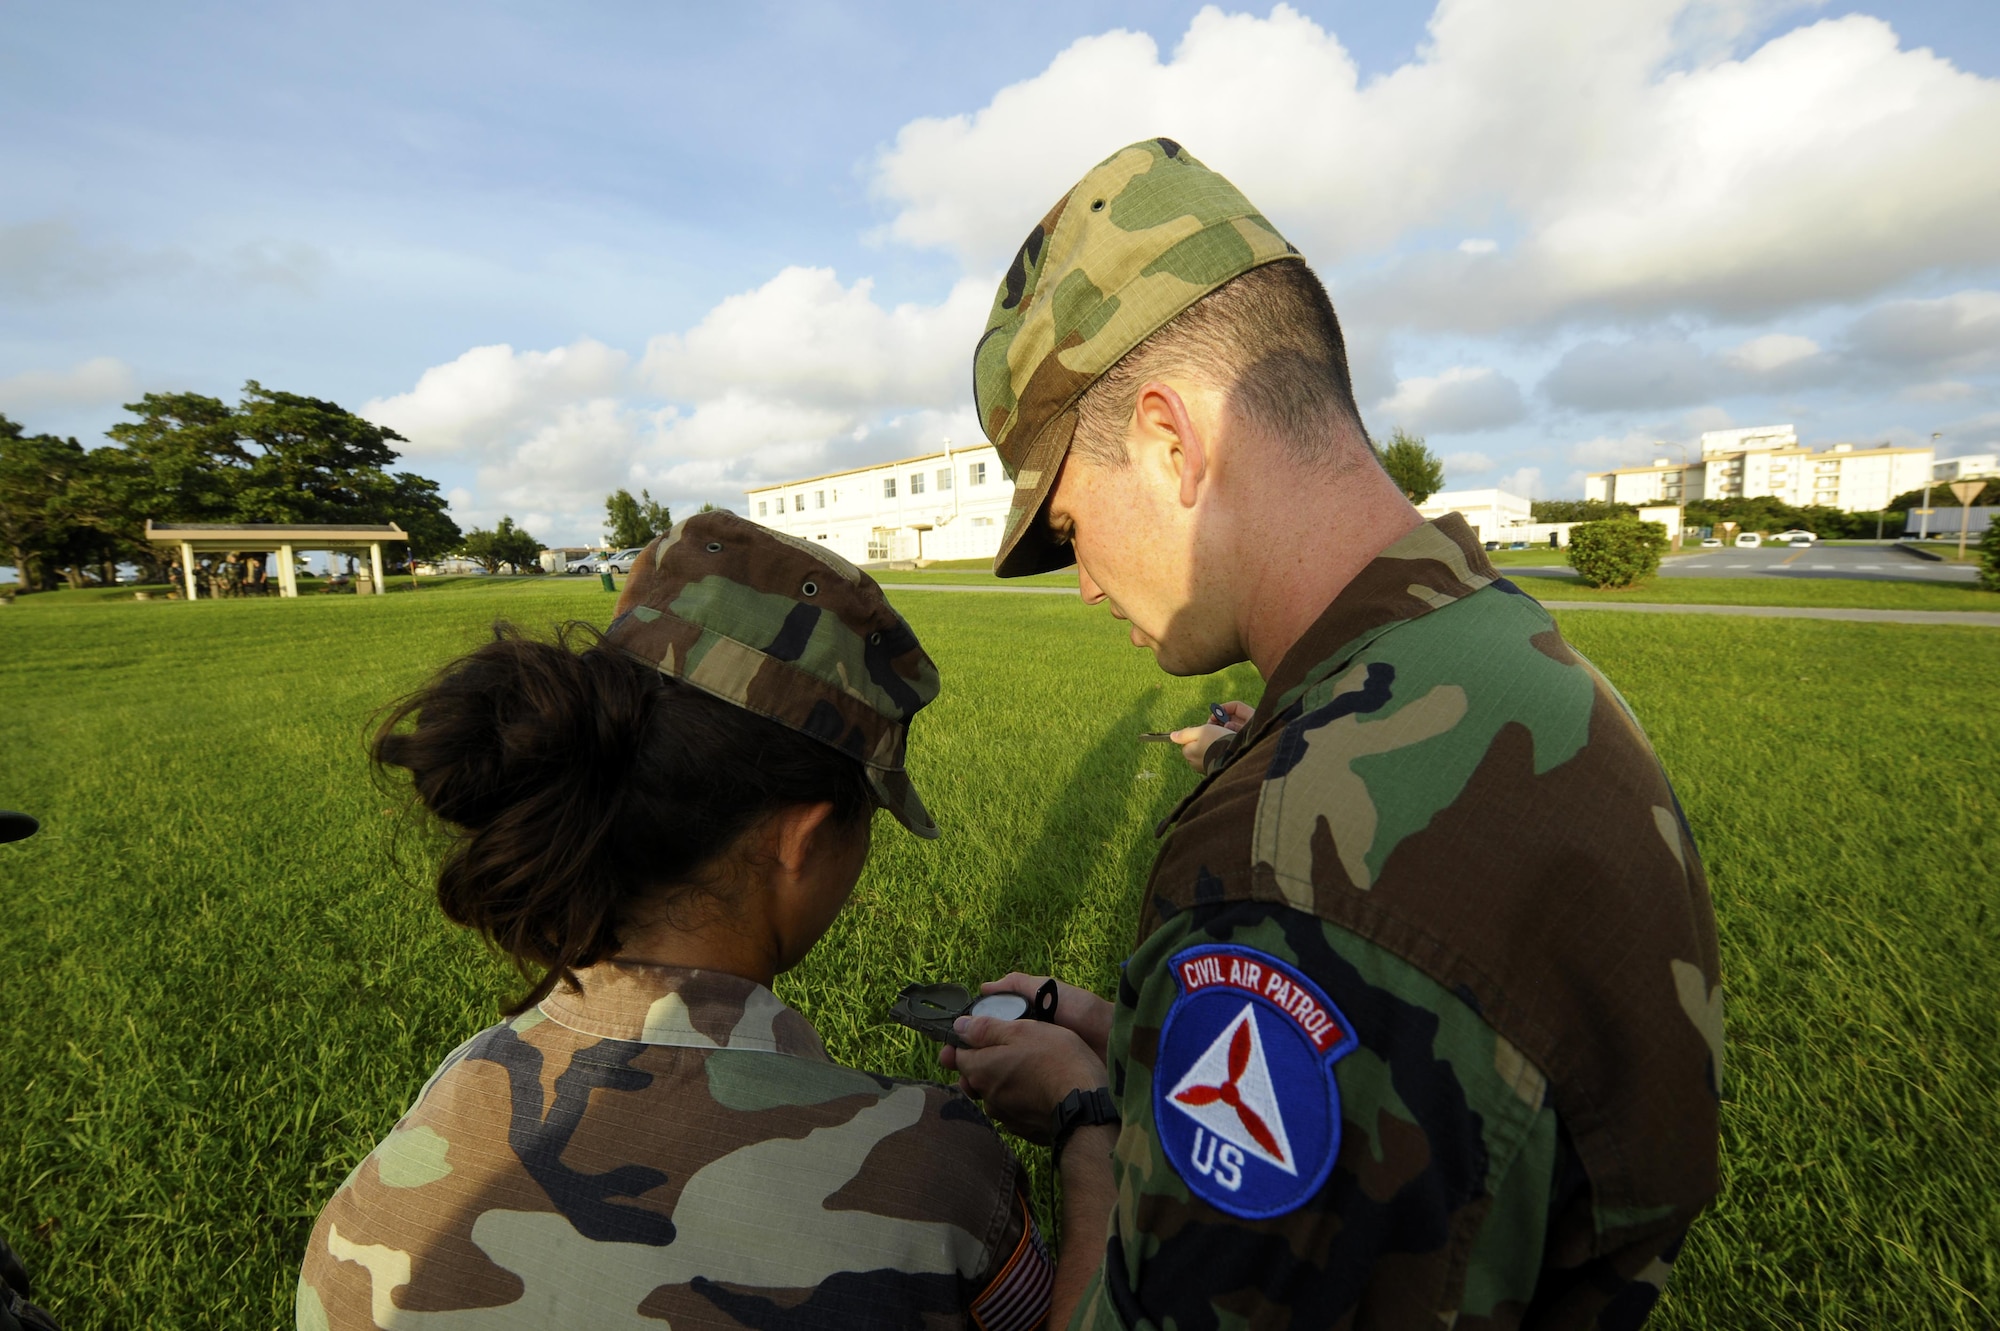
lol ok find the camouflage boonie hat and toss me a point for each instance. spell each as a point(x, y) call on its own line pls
point(788, 630)
point(1146, 234)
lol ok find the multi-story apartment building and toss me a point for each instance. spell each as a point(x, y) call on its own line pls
point(950, 504)
point(1768, 460)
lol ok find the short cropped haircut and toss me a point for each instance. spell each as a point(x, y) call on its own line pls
point(1271, 338)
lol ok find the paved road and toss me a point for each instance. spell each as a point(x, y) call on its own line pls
point(1978, 618)
point(1862, 563)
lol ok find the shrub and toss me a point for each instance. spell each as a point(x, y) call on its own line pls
point(1989, 558)
point(1617, 553)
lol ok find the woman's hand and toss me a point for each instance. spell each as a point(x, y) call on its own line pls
point(1021, 1070)
point(1194, 740)
point(1077, 1009)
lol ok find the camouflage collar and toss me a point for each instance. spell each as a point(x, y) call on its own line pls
point(678, 1005)
point(1425, 570)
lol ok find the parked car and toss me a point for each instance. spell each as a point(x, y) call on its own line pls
point(1794, 537)
point(1749, 540)
point(621, 561)
point(1711, 542)
point(586, 563)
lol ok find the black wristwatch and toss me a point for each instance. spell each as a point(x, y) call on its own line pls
point(1080, 1109)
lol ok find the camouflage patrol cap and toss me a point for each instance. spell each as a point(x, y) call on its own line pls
point(1145, 235)
point(788, 630)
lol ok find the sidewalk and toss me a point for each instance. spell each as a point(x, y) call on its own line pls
point(1976, 618)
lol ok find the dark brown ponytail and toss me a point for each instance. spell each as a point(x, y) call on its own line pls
point(577, 783)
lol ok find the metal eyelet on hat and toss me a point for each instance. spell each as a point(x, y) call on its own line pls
point(875, 638)
point(715, 547)
point(810, 589)
point(1097, 205)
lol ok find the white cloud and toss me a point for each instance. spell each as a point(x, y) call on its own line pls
point(801, 374)
point(1772, 351)
point(100, 380)
point(1477, 245)
point(1642, 166)
point(1960, 331)
point(1526, 481)
point(803, 337)
point(1463, 398)
point(1457, 464)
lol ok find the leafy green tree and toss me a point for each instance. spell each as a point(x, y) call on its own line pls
point(629, 522)
point(1416, 470)
point(1616, 553)
point(505, 544)
point(414, 504)
point(36, 475)
point(1989, 558)
point(1579, 510)
point(315, 461)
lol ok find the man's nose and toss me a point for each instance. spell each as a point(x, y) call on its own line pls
point(1091, 593)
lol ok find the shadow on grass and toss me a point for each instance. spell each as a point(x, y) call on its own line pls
point(1089, 860)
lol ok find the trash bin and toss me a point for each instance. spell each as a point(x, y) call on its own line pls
point(364, 585)
point(604, 579)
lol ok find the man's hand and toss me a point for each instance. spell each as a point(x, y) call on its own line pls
point(1077, 1009)
point(1021, 1070)
point(1194, 740)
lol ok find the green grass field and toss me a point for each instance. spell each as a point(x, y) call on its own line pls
point(229, 977)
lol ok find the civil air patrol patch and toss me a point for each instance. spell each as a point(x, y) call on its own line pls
point(1243, 1093)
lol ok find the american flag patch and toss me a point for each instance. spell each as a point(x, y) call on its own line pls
point(1018, 1298)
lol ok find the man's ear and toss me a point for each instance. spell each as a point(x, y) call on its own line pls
point(1161, 418)
point(796, 828)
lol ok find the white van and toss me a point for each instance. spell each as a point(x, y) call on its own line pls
point(1749, 540)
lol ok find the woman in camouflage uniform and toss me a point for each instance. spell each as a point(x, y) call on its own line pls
point(658, 825)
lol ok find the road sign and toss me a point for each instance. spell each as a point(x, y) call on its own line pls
point(1965, 492)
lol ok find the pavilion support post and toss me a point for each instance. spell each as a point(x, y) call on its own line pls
point(187, 568)
point(288, 572)
point(375, 564)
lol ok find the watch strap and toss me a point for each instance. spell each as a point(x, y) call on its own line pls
point(1080, 1109)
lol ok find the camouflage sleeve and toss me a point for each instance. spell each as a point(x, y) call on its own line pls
point(1384, 1160)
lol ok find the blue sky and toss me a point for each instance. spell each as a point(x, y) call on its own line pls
point(693, 247)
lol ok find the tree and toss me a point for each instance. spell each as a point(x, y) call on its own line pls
point(414, 504)
point(315, 461)
point(1416, 470)
point(1989, 558)
point(630, 522)
point(1578, 510)
point(505, 544)
point(37, 473)
point(1616, 553)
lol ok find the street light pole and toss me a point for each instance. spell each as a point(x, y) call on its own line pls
point(1935, 435)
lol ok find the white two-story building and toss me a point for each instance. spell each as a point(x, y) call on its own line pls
point(951, 504)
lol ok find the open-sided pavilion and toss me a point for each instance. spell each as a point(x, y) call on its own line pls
point(285, 538)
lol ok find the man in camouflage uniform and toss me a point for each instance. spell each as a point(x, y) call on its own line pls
point(1423, 1027)
point(667, 1146)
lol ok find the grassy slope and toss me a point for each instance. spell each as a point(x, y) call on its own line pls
point(236, 988)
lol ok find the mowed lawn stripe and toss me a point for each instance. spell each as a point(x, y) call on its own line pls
point(235, 976)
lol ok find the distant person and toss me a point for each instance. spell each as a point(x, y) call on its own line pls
point(1423, 1026)
point(657, 825)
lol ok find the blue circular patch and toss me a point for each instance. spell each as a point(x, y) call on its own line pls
point(1244, 1099)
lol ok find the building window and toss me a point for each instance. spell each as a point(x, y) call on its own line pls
point(798, 503)
point(944, 478)
point(763, 508)
point(881, 541)
point(976, 473)
point(982, 522)
point(916, 482)
point(888, 489)
point(819, 499)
